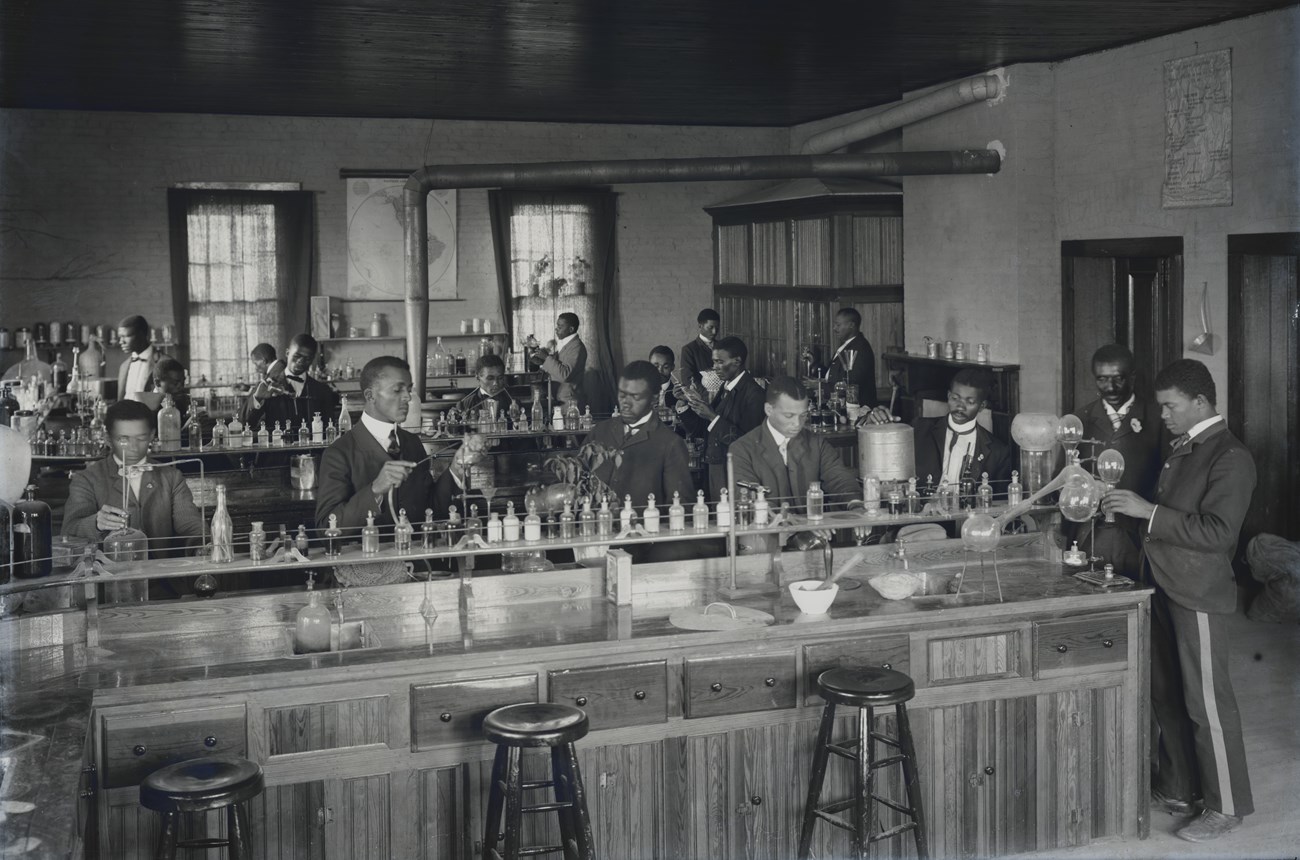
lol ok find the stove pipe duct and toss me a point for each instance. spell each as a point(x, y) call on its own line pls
point(578, 173)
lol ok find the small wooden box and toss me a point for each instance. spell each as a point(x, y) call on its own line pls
point(618, 577)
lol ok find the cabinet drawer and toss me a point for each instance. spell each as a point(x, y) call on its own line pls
point(135, 745)
point(733, 685)
point(891, 652)
point(453, 712)
point(1060, 646)
point(613, 696)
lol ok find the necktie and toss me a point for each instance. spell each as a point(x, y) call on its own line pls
point(1115, 420)
point(783, 447)
point(394, 447)
point(958, 434)
point(1181, 441)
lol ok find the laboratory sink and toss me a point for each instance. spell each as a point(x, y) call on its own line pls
point(935, 584)
point(348, 636)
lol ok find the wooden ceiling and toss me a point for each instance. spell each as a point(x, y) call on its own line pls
point(697, 62)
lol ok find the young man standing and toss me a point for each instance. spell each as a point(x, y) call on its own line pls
point(697, 356)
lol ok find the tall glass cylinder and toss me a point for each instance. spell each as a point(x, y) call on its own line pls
point(223, 531)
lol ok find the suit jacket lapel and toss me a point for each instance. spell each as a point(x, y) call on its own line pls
point(772, 459)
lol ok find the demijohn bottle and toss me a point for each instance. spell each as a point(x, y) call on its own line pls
point(33, 537)
point(169, 425)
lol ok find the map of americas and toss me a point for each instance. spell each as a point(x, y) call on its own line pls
point(376, 249)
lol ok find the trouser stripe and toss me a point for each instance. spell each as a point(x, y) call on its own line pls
point(1221, 772)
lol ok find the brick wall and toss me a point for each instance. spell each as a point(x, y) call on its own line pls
point(84, 206)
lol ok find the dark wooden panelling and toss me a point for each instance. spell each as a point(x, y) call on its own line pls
point(614, 696)
point(734, 685)
point(327, 725)
point(285, 823)
point(453, 712)
point(363, 820)
point(697, 800)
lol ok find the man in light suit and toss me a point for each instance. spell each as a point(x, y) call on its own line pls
point(139, 371)
point(854, 362)
point(566, 362)
point(1130, 424)
point(783, 456)
point(287, 394)
point(377, 456)
point(1192, 530)
point(736, 409)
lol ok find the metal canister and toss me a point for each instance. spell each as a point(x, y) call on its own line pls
point(21, 336)
point(70, 333)
point(56, 332)
point(86, 332)
point(948, 350)
point(6, 340)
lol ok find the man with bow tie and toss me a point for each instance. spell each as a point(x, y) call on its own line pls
point(138, 370)
point(736, 409)
point(697, 356)
point(1191, 534)
point(854, 362)
point(1130, 424)
point(287, 394)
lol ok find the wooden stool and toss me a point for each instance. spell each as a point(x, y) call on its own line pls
point(866, 689)
point(200, 785)
point(536, 725)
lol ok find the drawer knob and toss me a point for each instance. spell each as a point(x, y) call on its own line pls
point(771, 682)
point(639, 695)
point(138, 749)
point(445, 717)
point(582, 701)
point(1108, 643)
point(756, 800)
point(1062, 648)
point(886, 666)
point(715, 687)
point(989, 770)
point(210, 741)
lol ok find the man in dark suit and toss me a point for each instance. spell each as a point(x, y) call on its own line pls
point(783, 456)
point(1202, 496)
point(854, 362)
point(491, 373)
point(287, 394)
point(697, 356)
point(158, 501)
point(377, 456)
point(139, 371)
point(653, 457)
point(566, 361)
point(1131, 425)
point(664, 360)
point(736, 409)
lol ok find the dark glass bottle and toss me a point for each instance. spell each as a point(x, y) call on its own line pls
point(33, 537)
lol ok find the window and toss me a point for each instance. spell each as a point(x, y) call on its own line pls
point(550, 264)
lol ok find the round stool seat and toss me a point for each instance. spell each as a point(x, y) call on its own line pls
point(536, 724)
point(865, 686)
point(201, 784)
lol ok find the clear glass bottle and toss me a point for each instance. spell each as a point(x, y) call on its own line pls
point(567, 522)
point(403, 532)
point(650, 520)
point(604, 519)
point(301, 542)
point(317, 429)
point(723, 509)
point(223, 531)
point(742, 510)
point(816, 502)
point(532, 525)
point(586, 519)
point(220, 434)
point(257, 541)
point(1015, 492)
point(126, 543)
point(454, 525)
point(255, 436)
point(169, 425)
point(439, 358)
point(700, 512)
point(370, 535)
point(495, 529)
point(235, 432)
point(345, 416)
point(473, 525)
point(311, 626)
point(913, 497)
point(762, 509)
point(536, 418)
point(428, 534)
point(572, 417)
point(626, 515)
point(331, 433)
point(985, 493)
point(304, 432)
point(333, 538)
point(376, 325)
point(277, 436)
point(510, 524)
point(586, 422)
point(676, 514)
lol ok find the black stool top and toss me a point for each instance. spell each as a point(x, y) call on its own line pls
point(536, 724)
point(865, 686)
point(201, 784)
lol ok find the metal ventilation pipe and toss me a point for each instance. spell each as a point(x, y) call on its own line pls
point(578, 173)
point(940, 101)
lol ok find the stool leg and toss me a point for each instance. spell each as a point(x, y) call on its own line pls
point(514, 792)
point(585, 847)
point(863, 785)
point(815, 780)
point(237, 831)
point(496, 799)
point(167, 835)
point(911, 774)
point(563, 789)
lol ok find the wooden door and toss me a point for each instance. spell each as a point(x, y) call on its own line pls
point(1264, 374)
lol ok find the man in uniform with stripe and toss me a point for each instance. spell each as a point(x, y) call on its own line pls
point(1192, 530)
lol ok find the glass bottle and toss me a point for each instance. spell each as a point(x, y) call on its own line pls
point(439, 358)
point(461, 363)
point(1015, 492)
point(331, 433)
point(317, 429)
point(277, 436)
point(743, 509)
point(816, 502)
point(567, 521)
point(453, 527)
point(311, 626)
point(676, 514)
point(345, 416)
point(256, 541)
point(572, 418)
point(301, 542)
point(586, 519)
point(913, 497)
point(532, 524)
point(586, 422)
point(333, 538)
point(535, 415)
point(304, 432)
point(33, 536)
point(762, 509)
point(376, 325)
point(428, 535)
point(169, 425)
point(651, 519)
point(626, 515)
point(985, 493)
point(495, 530)
point(953, 499)
point(473, 525)
point(402, 532)
point(235, 433)
point(723, 509)
point(604, 518)
point(223, 531)
point(370, 535)
point(700, 512)
point(220, 434)
point(255, 437)
point(510, 524)
point(516, 415)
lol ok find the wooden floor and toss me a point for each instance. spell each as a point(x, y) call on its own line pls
point(1266, 675)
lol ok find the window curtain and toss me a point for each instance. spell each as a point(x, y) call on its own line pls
point(555, 252)
point(243, 271)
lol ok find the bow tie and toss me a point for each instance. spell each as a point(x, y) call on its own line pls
point(138, 358)
point(294, 378)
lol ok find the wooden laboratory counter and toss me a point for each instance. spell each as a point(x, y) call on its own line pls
point(1030, 715)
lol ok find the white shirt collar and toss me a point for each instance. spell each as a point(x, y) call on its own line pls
point(706, 341)
point(954, 427)
point(146, 353)
point(641, 422)
point(731, 386)
point(561, 344)
point(777, 436)
point(1123, 410)
point(1202, 426)
point(381, 430)
point(847, 341)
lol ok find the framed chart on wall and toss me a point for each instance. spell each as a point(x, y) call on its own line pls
point(376, 249)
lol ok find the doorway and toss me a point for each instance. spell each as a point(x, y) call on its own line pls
point(1127, 291)
point(1264, 373)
